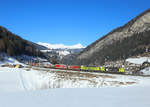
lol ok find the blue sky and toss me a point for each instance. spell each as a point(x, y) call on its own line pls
point(67, 21)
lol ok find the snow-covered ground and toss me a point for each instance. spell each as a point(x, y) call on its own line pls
point(10, 60)
point(146, 71)
point(139, 60)
point(44, 80)
point(103, 97)
point(35, 80)
point(34, 87)
point(13, 61)
point(21, 88)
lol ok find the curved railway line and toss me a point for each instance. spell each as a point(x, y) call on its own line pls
point(53, 69)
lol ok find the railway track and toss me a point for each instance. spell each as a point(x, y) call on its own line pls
point(81, 71)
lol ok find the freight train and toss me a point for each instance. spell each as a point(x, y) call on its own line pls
point(118, 70)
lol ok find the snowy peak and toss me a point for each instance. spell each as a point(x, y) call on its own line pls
point(60, 50)
point(61, 46)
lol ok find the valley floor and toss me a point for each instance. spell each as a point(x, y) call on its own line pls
point(22, 88)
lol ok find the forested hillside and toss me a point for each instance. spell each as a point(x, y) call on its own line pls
point(14, 45)
point(129, 40)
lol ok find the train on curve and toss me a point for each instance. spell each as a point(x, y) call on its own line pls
point(118, 70)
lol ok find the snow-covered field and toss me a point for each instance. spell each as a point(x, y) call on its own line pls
point(34, 87)
point(22, 88)
point(31, 79)
point(35, 80)
point(139, 60)
point(10, 60)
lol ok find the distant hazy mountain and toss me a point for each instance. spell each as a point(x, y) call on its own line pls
point(129, 40)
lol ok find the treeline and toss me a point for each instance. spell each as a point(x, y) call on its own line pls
point(14, 45)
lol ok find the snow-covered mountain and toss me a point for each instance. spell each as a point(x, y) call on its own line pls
point(61, 49)
point(61, 46)
point(58, 51)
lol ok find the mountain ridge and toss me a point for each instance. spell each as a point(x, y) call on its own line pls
point(139, 24)
point(118, 28)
